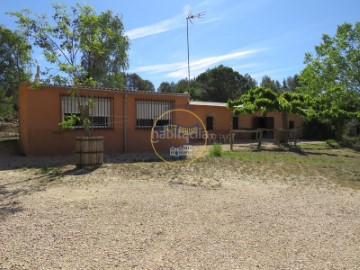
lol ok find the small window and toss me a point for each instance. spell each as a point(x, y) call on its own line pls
point(148, 111)
point(97, 109)
point(209, 123)
point(235, 122)
point(291, 125)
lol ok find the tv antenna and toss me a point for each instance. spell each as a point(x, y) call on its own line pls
point(190, 17)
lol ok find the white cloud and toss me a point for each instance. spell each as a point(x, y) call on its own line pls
point(179, 69)
point(160, 68)
point(153, 29)
point(166, 25)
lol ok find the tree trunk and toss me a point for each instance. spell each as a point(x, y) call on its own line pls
point(339, 125)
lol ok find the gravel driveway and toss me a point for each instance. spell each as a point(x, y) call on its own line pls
point(214, 214)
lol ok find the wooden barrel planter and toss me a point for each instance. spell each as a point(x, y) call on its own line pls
point(89, 151)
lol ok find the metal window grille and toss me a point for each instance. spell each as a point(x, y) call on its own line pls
point(148, 111)
point(97, 109)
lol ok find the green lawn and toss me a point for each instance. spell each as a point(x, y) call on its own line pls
point(341, 165)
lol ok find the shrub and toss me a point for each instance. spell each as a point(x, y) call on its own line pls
point(314, 129)
point(6, 108)
point(216, 150)
point(333, 143)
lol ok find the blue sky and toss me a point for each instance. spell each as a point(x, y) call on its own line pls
point(258, 37)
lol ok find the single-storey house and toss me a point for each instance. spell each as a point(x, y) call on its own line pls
point(124, 118)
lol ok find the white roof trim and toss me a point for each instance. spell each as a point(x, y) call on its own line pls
point(208, 103)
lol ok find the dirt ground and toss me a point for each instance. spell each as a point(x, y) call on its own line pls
point(216, 213)
point(9, 129)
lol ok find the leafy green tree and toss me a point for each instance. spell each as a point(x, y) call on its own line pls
point(336, 106)
point(182, 86)
point(103, 46)
point(15, 61)
point(267, 82)
point(166, 87)
point(81, 45)
point(221, 83)
point(337, 61)
point(248, 83)
point(6, 107)
point(265, 100)
point(217, 84)
point(292, 83)
point(332, 77)
point(148, 86)
point(134, 82)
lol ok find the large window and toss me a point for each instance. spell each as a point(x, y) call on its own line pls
point(148, 111)
point(97, 109)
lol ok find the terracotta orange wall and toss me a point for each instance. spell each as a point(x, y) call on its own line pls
point(246, 120)
point(222, 117)
point(40, 115)
point(138, 139)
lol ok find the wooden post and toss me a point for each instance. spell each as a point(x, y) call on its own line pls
point(231, 140)
point(278, 136)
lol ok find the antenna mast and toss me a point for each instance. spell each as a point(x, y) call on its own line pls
point(191, 17)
